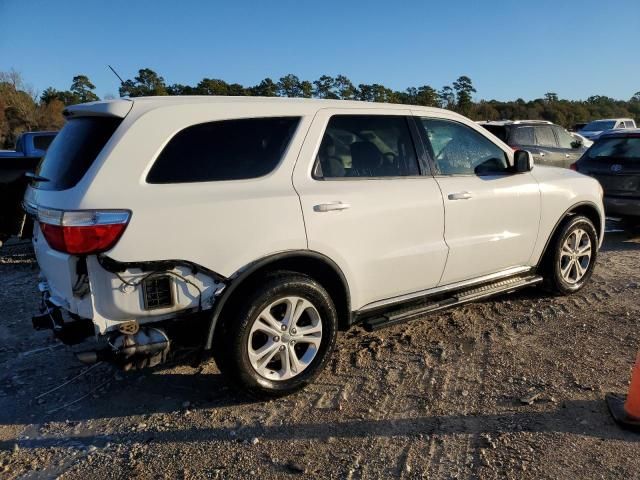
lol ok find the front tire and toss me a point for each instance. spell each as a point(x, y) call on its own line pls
point(280, 338)
point(569, 262)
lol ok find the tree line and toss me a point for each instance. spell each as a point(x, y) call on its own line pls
point(22, 108)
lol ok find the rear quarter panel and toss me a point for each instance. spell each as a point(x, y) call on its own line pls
point(561, 190)
point(222, 225)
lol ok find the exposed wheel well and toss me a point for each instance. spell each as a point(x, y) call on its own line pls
point(315, 266)
point(588, 211)
point(585, 209)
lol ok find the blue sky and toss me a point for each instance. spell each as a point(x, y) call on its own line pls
point(510, 49)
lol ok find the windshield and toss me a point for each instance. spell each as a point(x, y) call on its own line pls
point(625, 147)
point(73, 151)
point(599, 125)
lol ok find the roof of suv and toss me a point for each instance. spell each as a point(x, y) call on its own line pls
point(612, 119)
point(502, 123)
point(120, 107)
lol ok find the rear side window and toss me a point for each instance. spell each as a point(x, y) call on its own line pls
point(545, 137)
point(366, 146)
point(74, 150)
point(224, 150)
point(42, 142)
point(522, 136)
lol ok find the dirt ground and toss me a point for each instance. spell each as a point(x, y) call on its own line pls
point(507, 388)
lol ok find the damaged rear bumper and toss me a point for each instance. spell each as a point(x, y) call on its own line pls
point(68, 332)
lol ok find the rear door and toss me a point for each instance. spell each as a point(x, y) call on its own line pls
point(548, 151)
point(368, 205)
point(524, 137)
point(567, 147)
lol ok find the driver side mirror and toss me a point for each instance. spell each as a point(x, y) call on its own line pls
point(522, 161)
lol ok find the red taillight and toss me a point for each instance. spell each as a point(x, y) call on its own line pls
point(574, 166)
point(82, 232)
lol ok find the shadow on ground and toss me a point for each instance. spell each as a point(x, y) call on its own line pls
point(565, 419)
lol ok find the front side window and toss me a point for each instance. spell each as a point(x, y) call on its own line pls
point(565, 140)
point(460, 150)
point(366, 146)
point(545, 137)
point(224, 150)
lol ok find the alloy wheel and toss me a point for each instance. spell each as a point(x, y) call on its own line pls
point(575, 256)
point(285, 338)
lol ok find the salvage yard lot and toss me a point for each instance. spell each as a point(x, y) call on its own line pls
point(511, 387)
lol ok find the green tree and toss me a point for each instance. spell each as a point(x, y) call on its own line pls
point(146, 83)
point(464, 90)
point(345, 90)
point(82, 89)
point(236, 90)
point(179, 89)
point(447, 98)
point(290, 86)
point(425, 96)
point(266, 88)
point(48, 95)
point(212, 86)
point(325, 87)
point(551, 97)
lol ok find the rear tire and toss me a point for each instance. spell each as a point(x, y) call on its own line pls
point(279, 338)
point(569, 261)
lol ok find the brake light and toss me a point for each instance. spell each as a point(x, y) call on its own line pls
point(574, 166)
point(82, 232)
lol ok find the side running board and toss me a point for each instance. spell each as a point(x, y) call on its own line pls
point(394, 317)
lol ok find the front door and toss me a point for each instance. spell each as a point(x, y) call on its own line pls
point(368, 205)
point(568, 146)
point(491, 213)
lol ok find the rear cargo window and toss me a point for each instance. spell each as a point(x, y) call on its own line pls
point(621, 147)
point(74, 150)
point(224, 150)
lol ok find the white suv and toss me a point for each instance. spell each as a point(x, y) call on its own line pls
point(256, 228)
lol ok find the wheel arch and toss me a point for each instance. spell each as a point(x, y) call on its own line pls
point(314, 264)
point(589, 210)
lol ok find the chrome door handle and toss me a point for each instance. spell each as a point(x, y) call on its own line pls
point(329, 207)
point(459, 196)
point(541, 154)
point(566, 155)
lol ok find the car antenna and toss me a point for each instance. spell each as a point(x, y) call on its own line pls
point(116, 74)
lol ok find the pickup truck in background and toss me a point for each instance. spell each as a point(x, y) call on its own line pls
point(14, 164)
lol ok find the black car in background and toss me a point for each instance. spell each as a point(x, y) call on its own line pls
point(614, 160)
point(14, 164)
point(549, 144)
